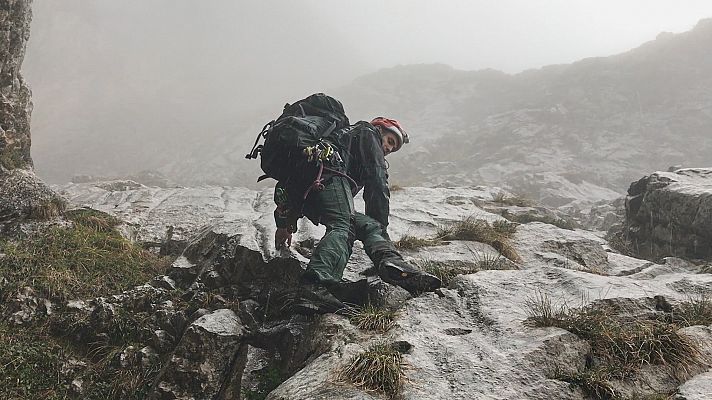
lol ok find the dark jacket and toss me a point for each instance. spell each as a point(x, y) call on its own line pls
point(363, 161)
point(367, 166)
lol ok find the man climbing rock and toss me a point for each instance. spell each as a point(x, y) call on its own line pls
point(329, 201)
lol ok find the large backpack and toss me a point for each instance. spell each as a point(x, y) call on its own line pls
point(290, 141)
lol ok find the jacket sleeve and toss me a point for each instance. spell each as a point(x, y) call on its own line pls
point(284, 215)
point(375, 179)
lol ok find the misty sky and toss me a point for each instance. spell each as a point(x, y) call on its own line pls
point(508, 35)
point(168, 73)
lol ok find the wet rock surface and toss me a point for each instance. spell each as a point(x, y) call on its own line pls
point(223, 300)
point(15, 103)
point(670, 214)
point(207, 360)
point(22, 194)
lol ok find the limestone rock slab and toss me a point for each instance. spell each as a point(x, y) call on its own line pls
point(204, 359)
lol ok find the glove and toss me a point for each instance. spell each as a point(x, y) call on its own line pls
point(282, 236)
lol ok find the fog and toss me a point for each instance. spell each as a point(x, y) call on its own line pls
point(122, 86)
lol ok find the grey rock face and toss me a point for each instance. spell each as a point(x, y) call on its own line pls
point(697, 388)
point(15, 102)
point(670, 214)
point(467, 341)
point(204, 360)
point(22, 194)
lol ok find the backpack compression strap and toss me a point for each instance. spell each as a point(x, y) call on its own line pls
point(258, 149)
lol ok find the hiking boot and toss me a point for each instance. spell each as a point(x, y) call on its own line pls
point(315, 299)
point(400, 273)
point(351, 293)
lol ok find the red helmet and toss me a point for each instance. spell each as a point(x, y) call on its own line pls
point(391, 125)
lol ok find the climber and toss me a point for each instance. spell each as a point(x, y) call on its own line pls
point(364, 167)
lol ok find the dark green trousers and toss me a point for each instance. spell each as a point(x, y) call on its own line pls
point(377, 245)
point(333, 207)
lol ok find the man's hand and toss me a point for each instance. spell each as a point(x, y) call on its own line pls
point(282, 236)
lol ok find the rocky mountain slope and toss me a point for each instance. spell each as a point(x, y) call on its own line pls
point(562, 133)
point(214, 326)
point(142, 292)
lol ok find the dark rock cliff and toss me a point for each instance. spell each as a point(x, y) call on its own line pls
point(22, 194)
point(15, 103)
point(670, 214)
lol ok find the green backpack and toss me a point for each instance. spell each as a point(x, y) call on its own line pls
point(305, 135)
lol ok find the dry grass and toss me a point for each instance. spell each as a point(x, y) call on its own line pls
point(595, 383)
point(93, 219)
point(480, 230)
point(445, 271)
point(379, 369)
point(505, 228)
point(490, 261)
point(395, 188)
point(372, 318)
point(32, 364)
point(47, 209)
point(622, 344)
point(407, 242)
point(697, 310)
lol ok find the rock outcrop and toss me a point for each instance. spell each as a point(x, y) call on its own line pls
point(670, 214)
point(469, 340)
point(15, 103)
point(22, 194)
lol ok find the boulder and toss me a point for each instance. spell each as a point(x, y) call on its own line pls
point(670, 214)
point(697, 388)
point(208, 356)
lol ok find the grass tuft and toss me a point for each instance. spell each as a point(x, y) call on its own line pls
point(446, 271)
point(697, 310)
point(408, 242)
point(372, 318)
point(505, 228)
point(595, 383)
point(479, 230)
point(94, 219)
point(380, 369)
point(47, 209)
point(623, 344)
point(88, 259)
point(468, 228)
point(490, 261)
